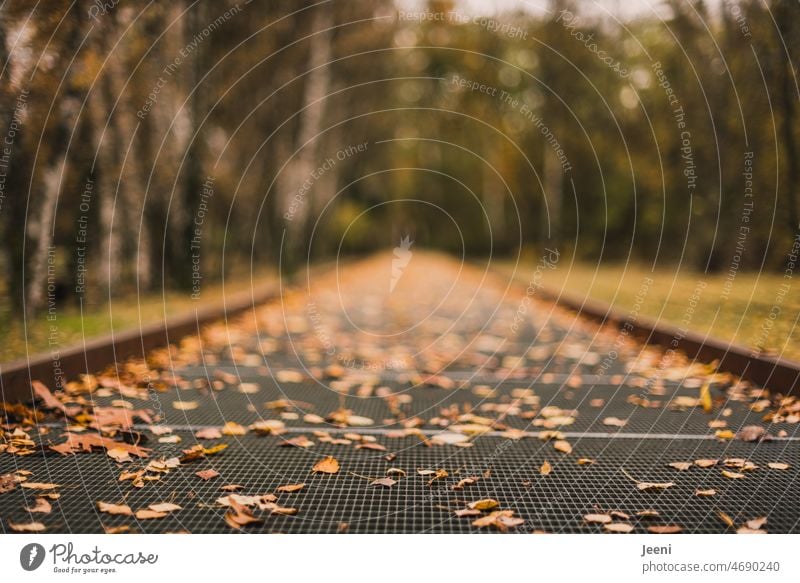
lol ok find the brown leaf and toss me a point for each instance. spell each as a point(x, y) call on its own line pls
point(27, 527)
point(756, 523)
point(207, 474)
point(464, 512)
point(233, 428)
point(546, 468)
point(387, 482)
point(164, 507)
point(644, 486)
point(705, 493)
point(84, 442)
point(291, 488)
point(680, 466)
point(732, 475)
point(778, 466)
point(299, 441)
point(464, 483)
point(619, 527)
point(484, 504)
point(328, 465)
point(705, 463)
point(725, 518)
point(118, 454)
point(42, 506)
point(615, 422)
point(665, 529)
point(208, 433)
point(123, 509)
point(752, 433)
point(745, 530)
point(39, 485)
point(7, 483)
point(500, 519)
point(147, 514)
point(371, 445)
point(597, 518)
point(562, 446)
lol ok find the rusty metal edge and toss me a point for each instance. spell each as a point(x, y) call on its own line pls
point(776, 373)
point(100, 352)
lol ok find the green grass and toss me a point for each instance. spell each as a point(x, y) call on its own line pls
point(71, 327)
point(738, 315)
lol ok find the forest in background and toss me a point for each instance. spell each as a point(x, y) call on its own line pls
point(149, 146)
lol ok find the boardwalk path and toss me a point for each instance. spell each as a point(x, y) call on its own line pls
point(467, 388)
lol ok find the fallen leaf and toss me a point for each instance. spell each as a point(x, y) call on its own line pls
point(121, 509)
point(164, 507)
point(725, 518)
point(42, 506)
point(299, 441)
point(208, 433)
point(185, 405)
point(585, 461)
point(84, 442)
point(745, 530)
point(395, 472)
point(563, 446)
point(387, 482)
point(546, 468)
point(464, 512)
point(233, 428)
point(680, 466)
point(597, 518)
point(705, 397)
point(291, 488)
point(619, 527)
point(464, 483)
point(705, 493)
point(484, 504)
point(732, 475)
point(705, 463)
point(500, 519)
point(615, 422)
point(7, 483)
point(328, 465)
point(207, 474)
point(39, 485)
point(119, 454)
point(644, 486)
point(752, 433)
point(27, 527)
point(147, 514)
point(778, 466)
point(665, 529)
point(371, 445)
point(756, 523)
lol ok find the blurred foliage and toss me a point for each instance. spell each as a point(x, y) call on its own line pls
point(147, 101)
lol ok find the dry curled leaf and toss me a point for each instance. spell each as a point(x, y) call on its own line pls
point(123, 509)
point(42, 506)
point(484, 504)
point(562, 446)
point(597, 518)
point(732, 475)
point(208, 433)
point(39, 485)
point(290, 488)
point(207, 474)
point(147, 514)
point(619, 527)
point(705, 493)
point(665, 529)
point(756, 523)
point(546, 468)
point(705, 463)
point(328, 465)
point(726, 519)
point(396, 472)
point(27, 527)
point(464, 512)
point(644, 486)
point(615, 422)
point(386, 482)
point(164, 507)
point(680, 466)
point(502, 520)
point(778, 466)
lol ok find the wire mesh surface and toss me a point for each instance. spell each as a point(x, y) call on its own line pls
point(623, 428)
